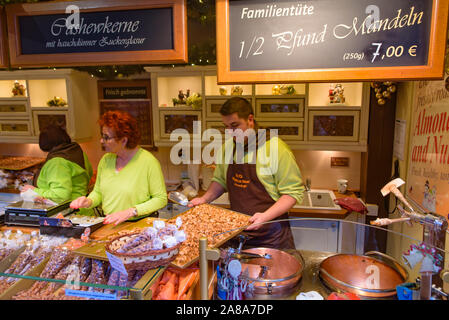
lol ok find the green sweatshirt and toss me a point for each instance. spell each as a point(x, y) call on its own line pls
point(139, 184)
point(61, 179)
point(281, 177)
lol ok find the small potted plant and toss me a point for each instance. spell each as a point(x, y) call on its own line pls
point(56, 102)
point(194, 100)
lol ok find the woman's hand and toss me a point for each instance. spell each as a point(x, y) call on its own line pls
point(259, 217)
point(27, 187)
point(39, 199)
point(119, 217)
point(81, 202)
point(196, 202)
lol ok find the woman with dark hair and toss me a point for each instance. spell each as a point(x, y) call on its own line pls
point(129, 181)
point(66, 172)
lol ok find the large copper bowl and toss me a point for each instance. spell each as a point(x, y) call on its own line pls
point(363, 275)
point(276, 277)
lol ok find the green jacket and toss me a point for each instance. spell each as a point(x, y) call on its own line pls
point(60, 180)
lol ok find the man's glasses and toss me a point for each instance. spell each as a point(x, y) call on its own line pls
point(105, 137)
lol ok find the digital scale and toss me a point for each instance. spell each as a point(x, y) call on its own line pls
point(27, 213)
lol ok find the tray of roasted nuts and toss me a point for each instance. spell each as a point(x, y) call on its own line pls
point(217, 224)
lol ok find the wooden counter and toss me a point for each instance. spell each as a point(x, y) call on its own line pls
point(318, 213)
point(311, 213)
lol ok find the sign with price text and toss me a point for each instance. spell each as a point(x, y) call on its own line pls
point(266, 41)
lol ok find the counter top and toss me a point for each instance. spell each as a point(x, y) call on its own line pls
point(303, 213)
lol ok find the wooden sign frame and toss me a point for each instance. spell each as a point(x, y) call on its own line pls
point(3, 43)
point(433, 70)
point(176, 55)
point(101, 84)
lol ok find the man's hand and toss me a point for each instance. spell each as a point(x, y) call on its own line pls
point(196, 202)
point(256, 219)
point(119, 217)
point(81, 202)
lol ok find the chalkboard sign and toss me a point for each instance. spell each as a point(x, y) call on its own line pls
point(265, 41)
point(98, 33)
point(132, 96)
point(125, 93)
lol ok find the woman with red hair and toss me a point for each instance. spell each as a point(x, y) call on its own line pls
point(129, 179)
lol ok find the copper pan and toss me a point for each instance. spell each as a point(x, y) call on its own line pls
point(275, 277)
point(363, 275)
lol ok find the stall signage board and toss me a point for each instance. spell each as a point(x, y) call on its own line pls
point(267, 41)
point(97, 33)
point(428, 158)
point(125, 93)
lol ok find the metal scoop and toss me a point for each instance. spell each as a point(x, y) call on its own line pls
point(178, 198)
point(248, 256)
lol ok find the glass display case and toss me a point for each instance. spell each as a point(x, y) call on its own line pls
point(33, 98)
point(291, 108)
point(299, 104)
point(334, 125)
point(15, 128)
point(285, 130)
point(333, 257)
point(177, 119)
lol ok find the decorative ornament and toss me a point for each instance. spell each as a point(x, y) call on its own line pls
point(431, 260)
point(18, 90)
point(56, 102)
point(236, 91)
point(287, 89)
point(383, 91)
point(392, 88)
point(336, 94)
point(223, 91)
point(194, 100)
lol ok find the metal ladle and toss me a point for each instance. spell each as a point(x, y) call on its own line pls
point(178, 198)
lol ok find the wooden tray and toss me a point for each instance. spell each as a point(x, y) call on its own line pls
point(109, 229)
point(229, 235)
point(9, 259)
point(96, 250)
point(19, 163)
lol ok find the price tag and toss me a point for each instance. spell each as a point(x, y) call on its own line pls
point(234, 268)
point(116, 263)
point(91, 295)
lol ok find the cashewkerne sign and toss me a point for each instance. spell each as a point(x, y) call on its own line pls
point(97, 32)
